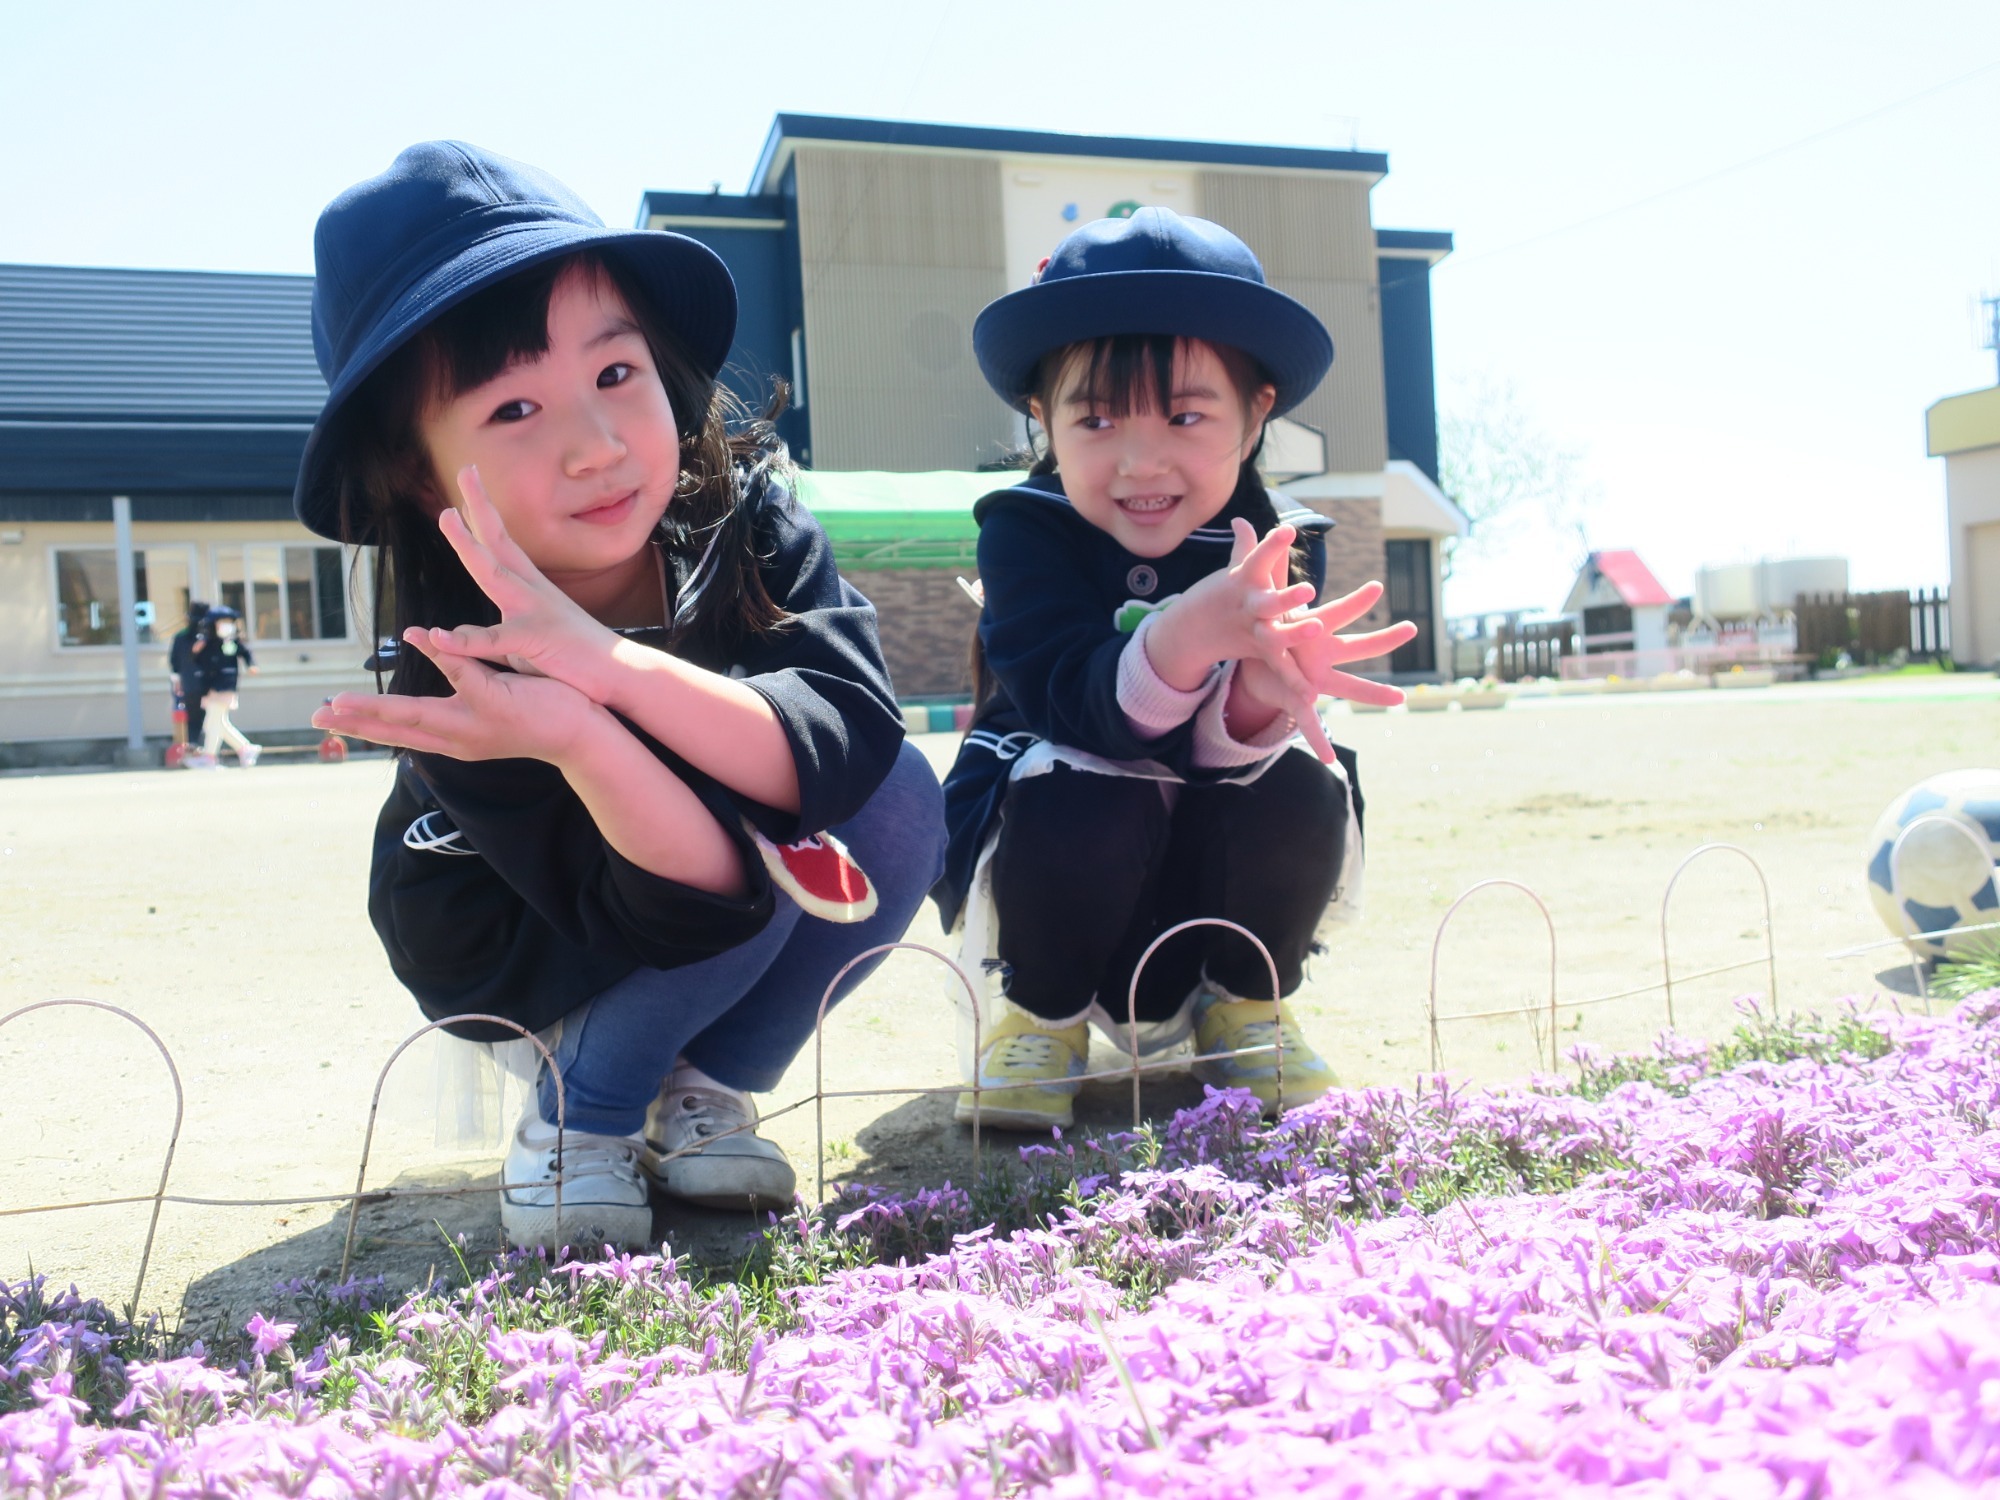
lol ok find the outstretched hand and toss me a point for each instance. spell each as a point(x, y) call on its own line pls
point(491, 715)
point(1299, 654)
point(542, 631)
point(1249, 608)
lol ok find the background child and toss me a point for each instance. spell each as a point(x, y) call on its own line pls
point(631, 671)
point(184, 678)
point(219, 663)
point(1149, 667)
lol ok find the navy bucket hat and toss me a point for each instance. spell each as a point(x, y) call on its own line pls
point(1156, 272)
point(448, 220)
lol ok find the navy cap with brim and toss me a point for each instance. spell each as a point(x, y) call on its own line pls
point(1013, 334)
point(489, 219)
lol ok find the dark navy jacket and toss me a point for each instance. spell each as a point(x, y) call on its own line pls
point(217, 667)
point(1054, 584)
point(526, 912)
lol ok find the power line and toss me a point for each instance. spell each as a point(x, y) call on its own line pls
point(1458, 262)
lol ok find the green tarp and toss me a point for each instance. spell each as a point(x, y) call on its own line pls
point(877, 519)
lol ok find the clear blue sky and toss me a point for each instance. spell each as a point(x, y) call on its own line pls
point(1743, 361)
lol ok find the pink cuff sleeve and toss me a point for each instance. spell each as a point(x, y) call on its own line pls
point(1213, 746)
point(1152, 705)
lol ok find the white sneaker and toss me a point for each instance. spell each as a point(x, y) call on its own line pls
point(725, 1164)
point(604, 1197)
point(200, 761)
point(247, 756)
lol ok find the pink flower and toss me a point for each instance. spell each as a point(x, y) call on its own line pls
point(268, 1337)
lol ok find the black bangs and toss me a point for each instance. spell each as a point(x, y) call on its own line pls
point(506, 323)
point(1122, 374)
point(1128, 372)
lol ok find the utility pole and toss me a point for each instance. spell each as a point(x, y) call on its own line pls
point(1990, 308)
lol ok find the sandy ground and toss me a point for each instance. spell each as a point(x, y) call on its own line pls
point(225, 909)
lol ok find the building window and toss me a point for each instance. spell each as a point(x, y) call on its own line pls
point(1409, 597)
point(284, 593)
point(89, 611)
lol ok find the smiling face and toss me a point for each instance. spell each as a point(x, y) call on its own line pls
point(1151, 474)
point(577, 448)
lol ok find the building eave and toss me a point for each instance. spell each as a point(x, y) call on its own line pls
point(1960, 424)
point(1427, 245)
point(788, 131)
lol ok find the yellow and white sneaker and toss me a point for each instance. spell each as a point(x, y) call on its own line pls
point(1223, 1023)
point(1027, 1072)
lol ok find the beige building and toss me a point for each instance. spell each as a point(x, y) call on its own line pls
point(1965, 432)
point(865, 249)
point(862, 254)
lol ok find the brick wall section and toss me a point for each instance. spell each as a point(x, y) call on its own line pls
point(926, 624)
point(1354, 555)
point(926, 621)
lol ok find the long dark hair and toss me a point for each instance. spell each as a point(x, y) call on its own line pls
point(1129, 372)
point(389, 487)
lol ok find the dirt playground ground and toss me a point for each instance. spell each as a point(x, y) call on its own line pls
point(226, 910)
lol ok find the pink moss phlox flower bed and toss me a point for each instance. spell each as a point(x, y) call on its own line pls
point(1775, 1279)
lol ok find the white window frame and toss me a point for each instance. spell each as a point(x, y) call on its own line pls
point(56, 643)
point(348, 603)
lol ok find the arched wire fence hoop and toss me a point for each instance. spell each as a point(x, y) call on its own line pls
point(1770, 958)
point(819, 1095)
point(1131, 1068)
point(1437, 946)
point(375, 1108)
point(159, 1194)
point(1276, 1049)
point(1911, 937)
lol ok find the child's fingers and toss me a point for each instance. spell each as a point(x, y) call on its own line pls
point(387, 719)
point(483, 517)
point(461, 672)
point(1315, 733)
point(1286, 635)
point(1349, 607)
point(1243, 541)
point(380, 730)
point(1271, 651)
point(486, 569)
point(1269, 604)
point(1273, 551)
point(1348, 648)
point(485, 642)
point(1360, 689)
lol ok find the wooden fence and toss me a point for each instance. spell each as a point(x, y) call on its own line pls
point(1533, 650)
point(1874, 627)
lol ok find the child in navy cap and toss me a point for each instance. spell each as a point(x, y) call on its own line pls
point(1146, 750)
point(219, 667)
point(643, 719)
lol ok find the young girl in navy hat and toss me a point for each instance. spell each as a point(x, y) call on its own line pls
point(1146, 749)
point(653, 791)
point(222, 660)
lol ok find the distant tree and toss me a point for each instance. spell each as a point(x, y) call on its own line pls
point(1505, 472)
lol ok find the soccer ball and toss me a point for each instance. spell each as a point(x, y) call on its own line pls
point(1945, 869)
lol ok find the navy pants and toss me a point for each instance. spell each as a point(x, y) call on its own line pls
point(1090, 869)
point(743, 1015)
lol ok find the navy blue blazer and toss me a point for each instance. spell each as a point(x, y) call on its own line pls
point(1055, 586)
point(506, 899)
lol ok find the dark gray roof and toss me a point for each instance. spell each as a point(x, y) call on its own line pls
point(209, 346)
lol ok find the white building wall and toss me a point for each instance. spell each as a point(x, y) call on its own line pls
point(1972, 510)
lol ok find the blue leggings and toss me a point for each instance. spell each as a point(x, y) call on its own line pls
point(742, 1016)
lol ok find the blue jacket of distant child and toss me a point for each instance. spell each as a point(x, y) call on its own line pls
point(220, 662)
